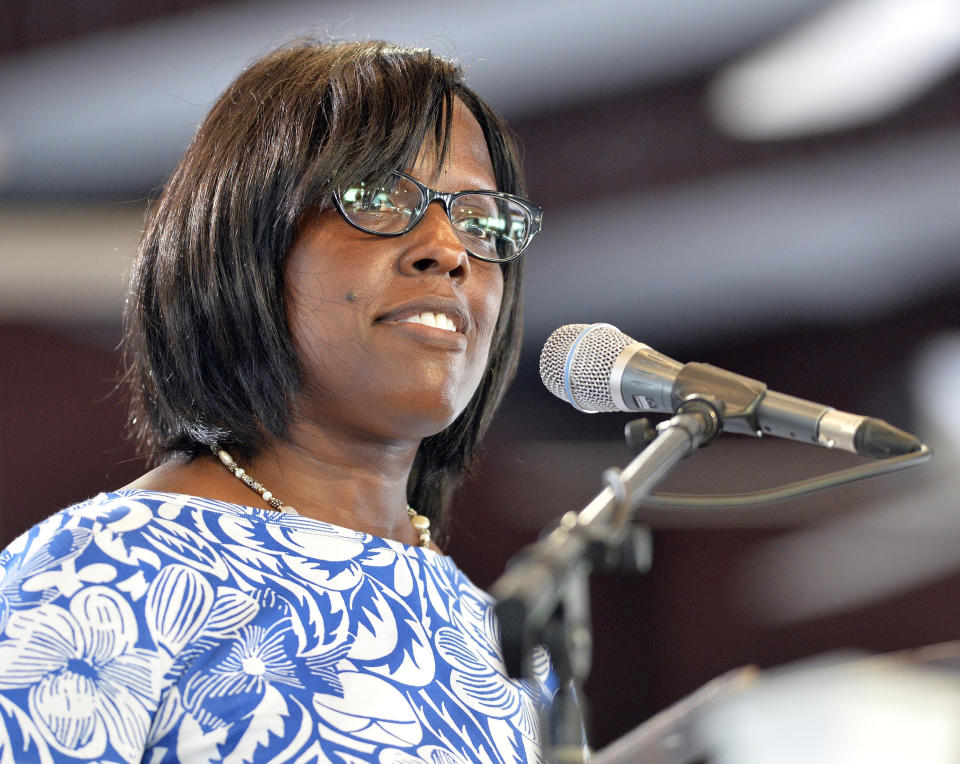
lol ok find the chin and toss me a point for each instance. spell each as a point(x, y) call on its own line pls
point(435, 421)
point(426, 428)
point(433, 408)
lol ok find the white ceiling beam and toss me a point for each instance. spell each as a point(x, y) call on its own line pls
point(113, 111)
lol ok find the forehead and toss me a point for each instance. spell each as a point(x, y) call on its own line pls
point(467, 163)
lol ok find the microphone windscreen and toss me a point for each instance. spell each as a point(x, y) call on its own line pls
point(577, 361)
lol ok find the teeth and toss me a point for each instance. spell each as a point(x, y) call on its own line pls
point(436, 320)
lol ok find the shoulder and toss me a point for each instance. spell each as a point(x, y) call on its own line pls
point(118, 545)
point(104, 527)
point(81, 669)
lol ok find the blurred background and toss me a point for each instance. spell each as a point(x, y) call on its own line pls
point(770, 186)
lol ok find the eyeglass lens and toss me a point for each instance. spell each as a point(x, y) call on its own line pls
point(488, 226)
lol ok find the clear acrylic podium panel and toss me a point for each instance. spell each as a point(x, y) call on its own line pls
point(899, 708)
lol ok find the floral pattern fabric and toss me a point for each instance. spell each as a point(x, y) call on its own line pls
point(156, 627)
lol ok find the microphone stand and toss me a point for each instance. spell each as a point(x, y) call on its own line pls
point(542, 597)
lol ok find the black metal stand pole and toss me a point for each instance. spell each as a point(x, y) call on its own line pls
point(541, 598)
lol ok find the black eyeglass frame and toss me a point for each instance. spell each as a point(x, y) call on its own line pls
point(431, 195)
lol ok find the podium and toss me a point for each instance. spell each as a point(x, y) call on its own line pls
point(896, 708)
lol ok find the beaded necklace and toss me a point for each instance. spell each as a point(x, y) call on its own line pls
point(420, 523)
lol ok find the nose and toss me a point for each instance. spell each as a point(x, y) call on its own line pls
point(432, 247)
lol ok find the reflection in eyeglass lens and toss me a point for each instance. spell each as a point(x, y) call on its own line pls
point(386, 208)
point(490, 217)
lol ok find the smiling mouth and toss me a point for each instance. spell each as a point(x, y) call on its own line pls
point(435, 320)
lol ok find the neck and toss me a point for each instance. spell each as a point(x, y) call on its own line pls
point(348, 482)
point(356, 484)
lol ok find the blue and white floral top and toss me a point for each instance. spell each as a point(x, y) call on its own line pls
point(160, 627)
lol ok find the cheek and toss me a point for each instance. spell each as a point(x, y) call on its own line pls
point(324, 310)
point(307, 313)
point(486, 307)
point(486, 311)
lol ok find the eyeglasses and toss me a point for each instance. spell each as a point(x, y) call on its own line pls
point(491, 225)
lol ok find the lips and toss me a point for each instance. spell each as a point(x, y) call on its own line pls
point(442, 314)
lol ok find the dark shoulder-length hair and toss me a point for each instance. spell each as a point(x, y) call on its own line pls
point(208, 353)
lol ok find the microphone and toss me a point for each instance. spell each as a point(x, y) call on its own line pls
point(596, 367)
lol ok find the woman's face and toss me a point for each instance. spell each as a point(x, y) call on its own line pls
point(357, 306)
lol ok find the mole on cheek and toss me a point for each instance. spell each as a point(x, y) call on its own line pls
point(351, 297)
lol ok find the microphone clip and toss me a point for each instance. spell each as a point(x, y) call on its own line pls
point(640, 433)
point(733, 397)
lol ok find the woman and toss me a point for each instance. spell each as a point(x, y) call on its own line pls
point(314, 348)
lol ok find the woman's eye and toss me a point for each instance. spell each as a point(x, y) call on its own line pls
point(376, 202)
point(474, 227)
point(366, 200)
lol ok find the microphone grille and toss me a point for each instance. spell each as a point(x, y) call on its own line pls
point(576, 363)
